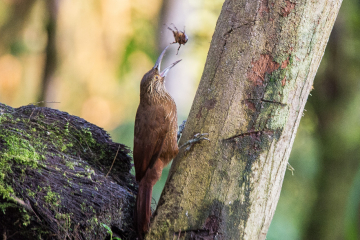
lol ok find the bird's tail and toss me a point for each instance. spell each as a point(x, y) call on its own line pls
point(143, 207)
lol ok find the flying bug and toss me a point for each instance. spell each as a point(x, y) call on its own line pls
point(180, 36)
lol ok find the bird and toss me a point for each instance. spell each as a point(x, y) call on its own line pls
point(155, 138)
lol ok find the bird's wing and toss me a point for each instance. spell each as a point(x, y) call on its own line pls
point(151, 127)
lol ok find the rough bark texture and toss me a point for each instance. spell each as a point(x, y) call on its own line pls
point(259, 72)
point(53, 182)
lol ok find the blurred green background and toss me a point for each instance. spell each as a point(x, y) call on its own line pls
point(87, 57)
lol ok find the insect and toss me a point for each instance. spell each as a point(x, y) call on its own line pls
point(180, 36)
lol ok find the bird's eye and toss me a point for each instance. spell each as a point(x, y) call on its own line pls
point(157, 77)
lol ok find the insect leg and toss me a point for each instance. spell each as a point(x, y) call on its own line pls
point(178, 49)
point(174, 27)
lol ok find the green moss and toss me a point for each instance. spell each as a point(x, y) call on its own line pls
point(25, 144)
point(67, 127)
point(18, 149)
point(92, 209)
point(30, 193)
point(25, 148)
point(87, 136)
point(5, 205)
point(52, 198)
point(83, 207)
point(25, 217)
point(70, 165)
point(93, 221)
point(65, 220)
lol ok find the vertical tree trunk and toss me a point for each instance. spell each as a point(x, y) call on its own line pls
point(50, 63)
point(260, 68)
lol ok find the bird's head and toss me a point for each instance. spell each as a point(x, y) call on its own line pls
point(155, 75)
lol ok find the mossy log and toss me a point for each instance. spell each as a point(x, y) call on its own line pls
point(57, 180)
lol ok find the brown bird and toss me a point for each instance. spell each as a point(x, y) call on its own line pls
point(180, 37)
point(155, 140)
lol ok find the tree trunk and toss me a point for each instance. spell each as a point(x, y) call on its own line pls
point(62, 178)
point(51, 53)
point(259, 72)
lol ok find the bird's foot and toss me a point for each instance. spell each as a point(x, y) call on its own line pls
point(197, 138)
point(181, 128)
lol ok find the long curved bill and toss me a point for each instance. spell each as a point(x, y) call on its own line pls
point(166, 70)
point(158, 63)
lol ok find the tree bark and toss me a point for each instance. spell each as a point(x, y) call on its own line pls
point(259, 72)
point(62, 178)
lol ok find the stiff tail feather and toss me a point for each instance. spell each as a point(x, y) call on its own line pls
point(143, 207)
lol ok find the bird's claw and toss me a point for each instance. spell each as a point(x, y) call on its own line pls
point(181, 129)
point(197, 138)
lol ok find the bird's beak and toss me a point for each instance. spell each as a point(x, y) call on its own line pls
point(158, 63)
